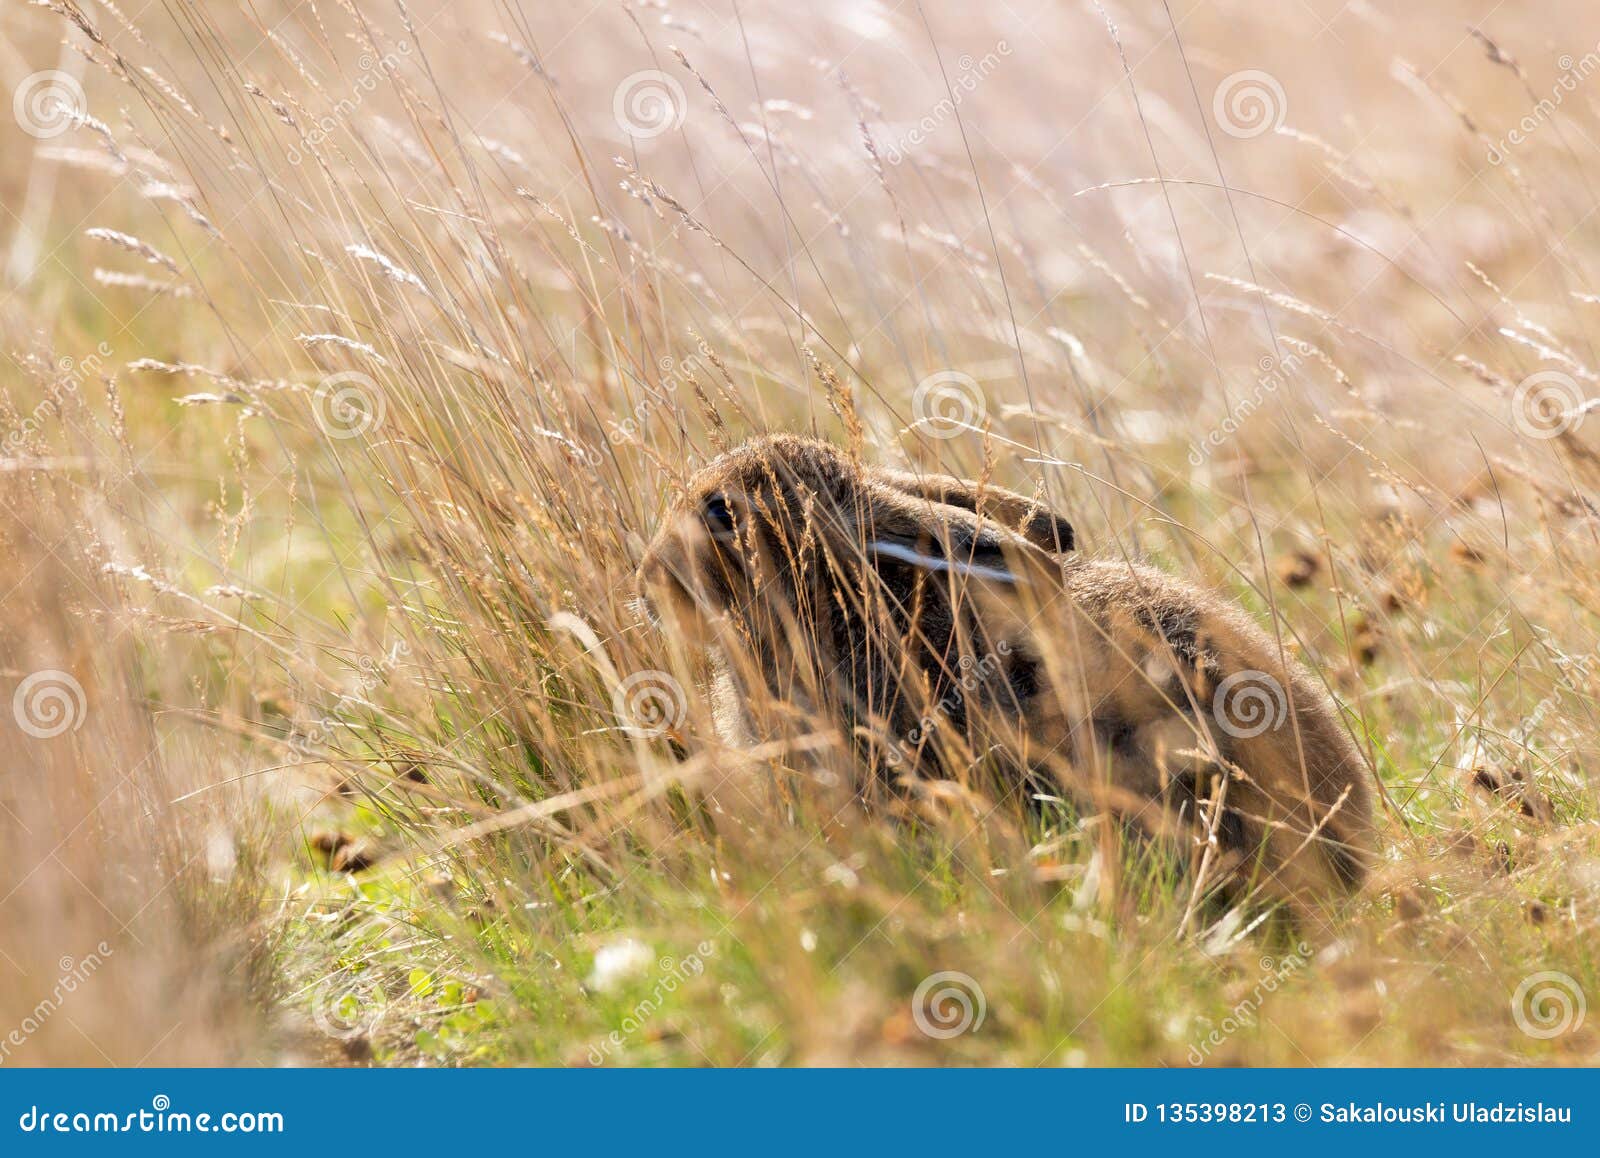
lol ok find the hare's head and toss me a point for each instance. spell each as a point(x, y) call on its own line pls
point(793, 546)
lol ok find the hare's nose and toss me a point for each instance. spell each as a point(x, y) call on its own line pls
point(666, 563)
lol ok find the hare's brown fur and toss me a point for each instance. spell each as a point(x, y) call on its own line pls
point(947, 625)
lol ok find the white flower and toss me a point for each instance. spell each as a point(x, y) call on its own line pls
point(618, 961)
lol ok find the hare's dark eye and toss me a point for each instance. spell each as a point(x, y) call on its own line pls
point(717, 515)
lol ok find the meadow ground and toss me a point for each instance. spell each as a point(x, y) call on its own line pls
point(353, 350)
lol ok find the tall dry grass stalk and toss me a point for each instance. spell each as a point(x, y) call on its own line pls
point(136, 931)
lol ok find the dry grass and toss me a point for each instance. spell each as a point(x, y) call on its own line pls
point(406, 344)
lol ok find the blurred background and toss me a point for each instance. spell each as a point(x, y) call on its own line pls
point(352, 352)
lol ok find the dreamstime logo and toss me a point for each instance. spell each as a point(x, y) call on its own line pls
point(1248, 703)
point(1573, 74)
point(1274, 973)
point(649, 103)
point(1274, 374)
point(1548, 404)
point(674, 373)
point(974, 673)
point(47, 104)
point(73, 973)
point(1548, 1004)
point(671, 973)
point(70, 374)
point(366, 81)
point(48, 703)
point(948, 1004)
point(972, 74)
point(1249, 103)
point(948, 402)
point(349, 708)
point(349, 404)
point(349, 1010)
point(1575, 673)
point(649, 704)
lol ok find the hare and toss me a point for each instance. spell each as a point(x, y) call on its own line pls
point(949, 627)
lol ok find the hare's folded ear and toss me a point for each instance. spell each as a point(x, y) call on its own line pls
point(975, 556)
point(1027, 517)
point(905, 531)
